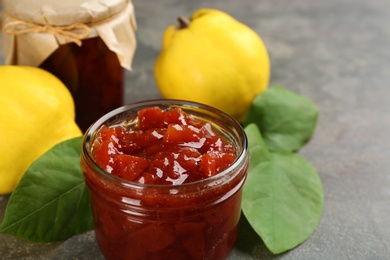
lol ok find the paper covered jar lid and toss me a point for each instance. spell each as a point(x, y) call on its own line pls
point(33, 30)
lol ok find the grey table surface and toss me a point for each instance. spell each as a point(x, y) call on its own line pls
point(337, 53)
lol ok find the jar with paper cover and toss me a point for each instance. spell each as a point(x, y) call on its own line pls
point(86, 44)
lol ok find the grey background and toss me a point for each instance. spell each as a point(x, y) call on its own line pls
point(337, 53)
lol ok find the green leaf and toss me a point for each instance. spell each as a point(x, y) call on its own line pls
point(51, 202)
point(256, 145)
point(282, 197)
point(286, 119)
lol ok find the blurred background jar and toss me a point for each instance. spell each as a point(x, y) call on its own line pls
point(86, 44)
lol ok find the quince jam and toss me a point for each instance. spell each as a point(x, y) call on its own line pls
point(165, 147)
point(165, 181)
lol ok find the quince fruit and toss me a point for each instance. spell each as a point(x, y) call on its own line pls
point(213, 59)
point(37, 112)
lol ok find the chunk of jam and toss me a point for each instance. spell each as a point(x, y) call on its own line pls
point(165, 147)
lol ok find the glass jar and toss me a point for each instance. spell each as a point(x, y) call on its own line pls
point(93, 75)
point(197, 220)
point(86, 44)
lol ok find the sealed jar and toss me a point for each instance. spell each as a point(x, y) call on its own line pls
point(194, 220)
point(86, 44)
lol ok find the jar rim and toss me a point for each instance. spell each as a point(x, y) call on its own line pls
point(89, 136)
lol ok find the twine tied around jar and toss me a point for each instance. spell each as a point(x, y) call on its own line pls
point(74, 32)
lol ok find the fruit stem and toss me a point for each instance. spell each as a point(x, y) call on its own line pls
point(183, 22)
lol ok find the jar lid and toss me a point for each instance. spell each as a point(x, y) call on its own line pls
point(43, 25)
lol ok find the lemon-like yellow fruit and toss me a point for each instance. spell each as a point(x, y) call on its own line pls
point(37, 112)
point(213, 59)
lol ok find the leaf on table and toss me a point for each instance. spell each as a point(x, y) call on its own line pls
point(282, 196)
point(51, 202)
point(286, 119)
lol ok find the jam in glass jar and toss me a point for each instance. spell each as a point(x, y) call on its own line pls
point(165, 180)
point(93, 75)
point(87, 44)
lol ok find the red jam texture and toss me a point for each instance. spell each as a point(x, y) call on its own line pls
point(164, 147)
point(168, 221)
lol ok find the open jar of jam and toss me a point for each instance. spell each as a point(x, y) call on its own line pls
point(86, 44)
point(165, 180)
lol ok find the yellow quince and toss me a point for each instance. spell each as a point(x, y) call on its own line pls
point(37, 112)
point(213, 59)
